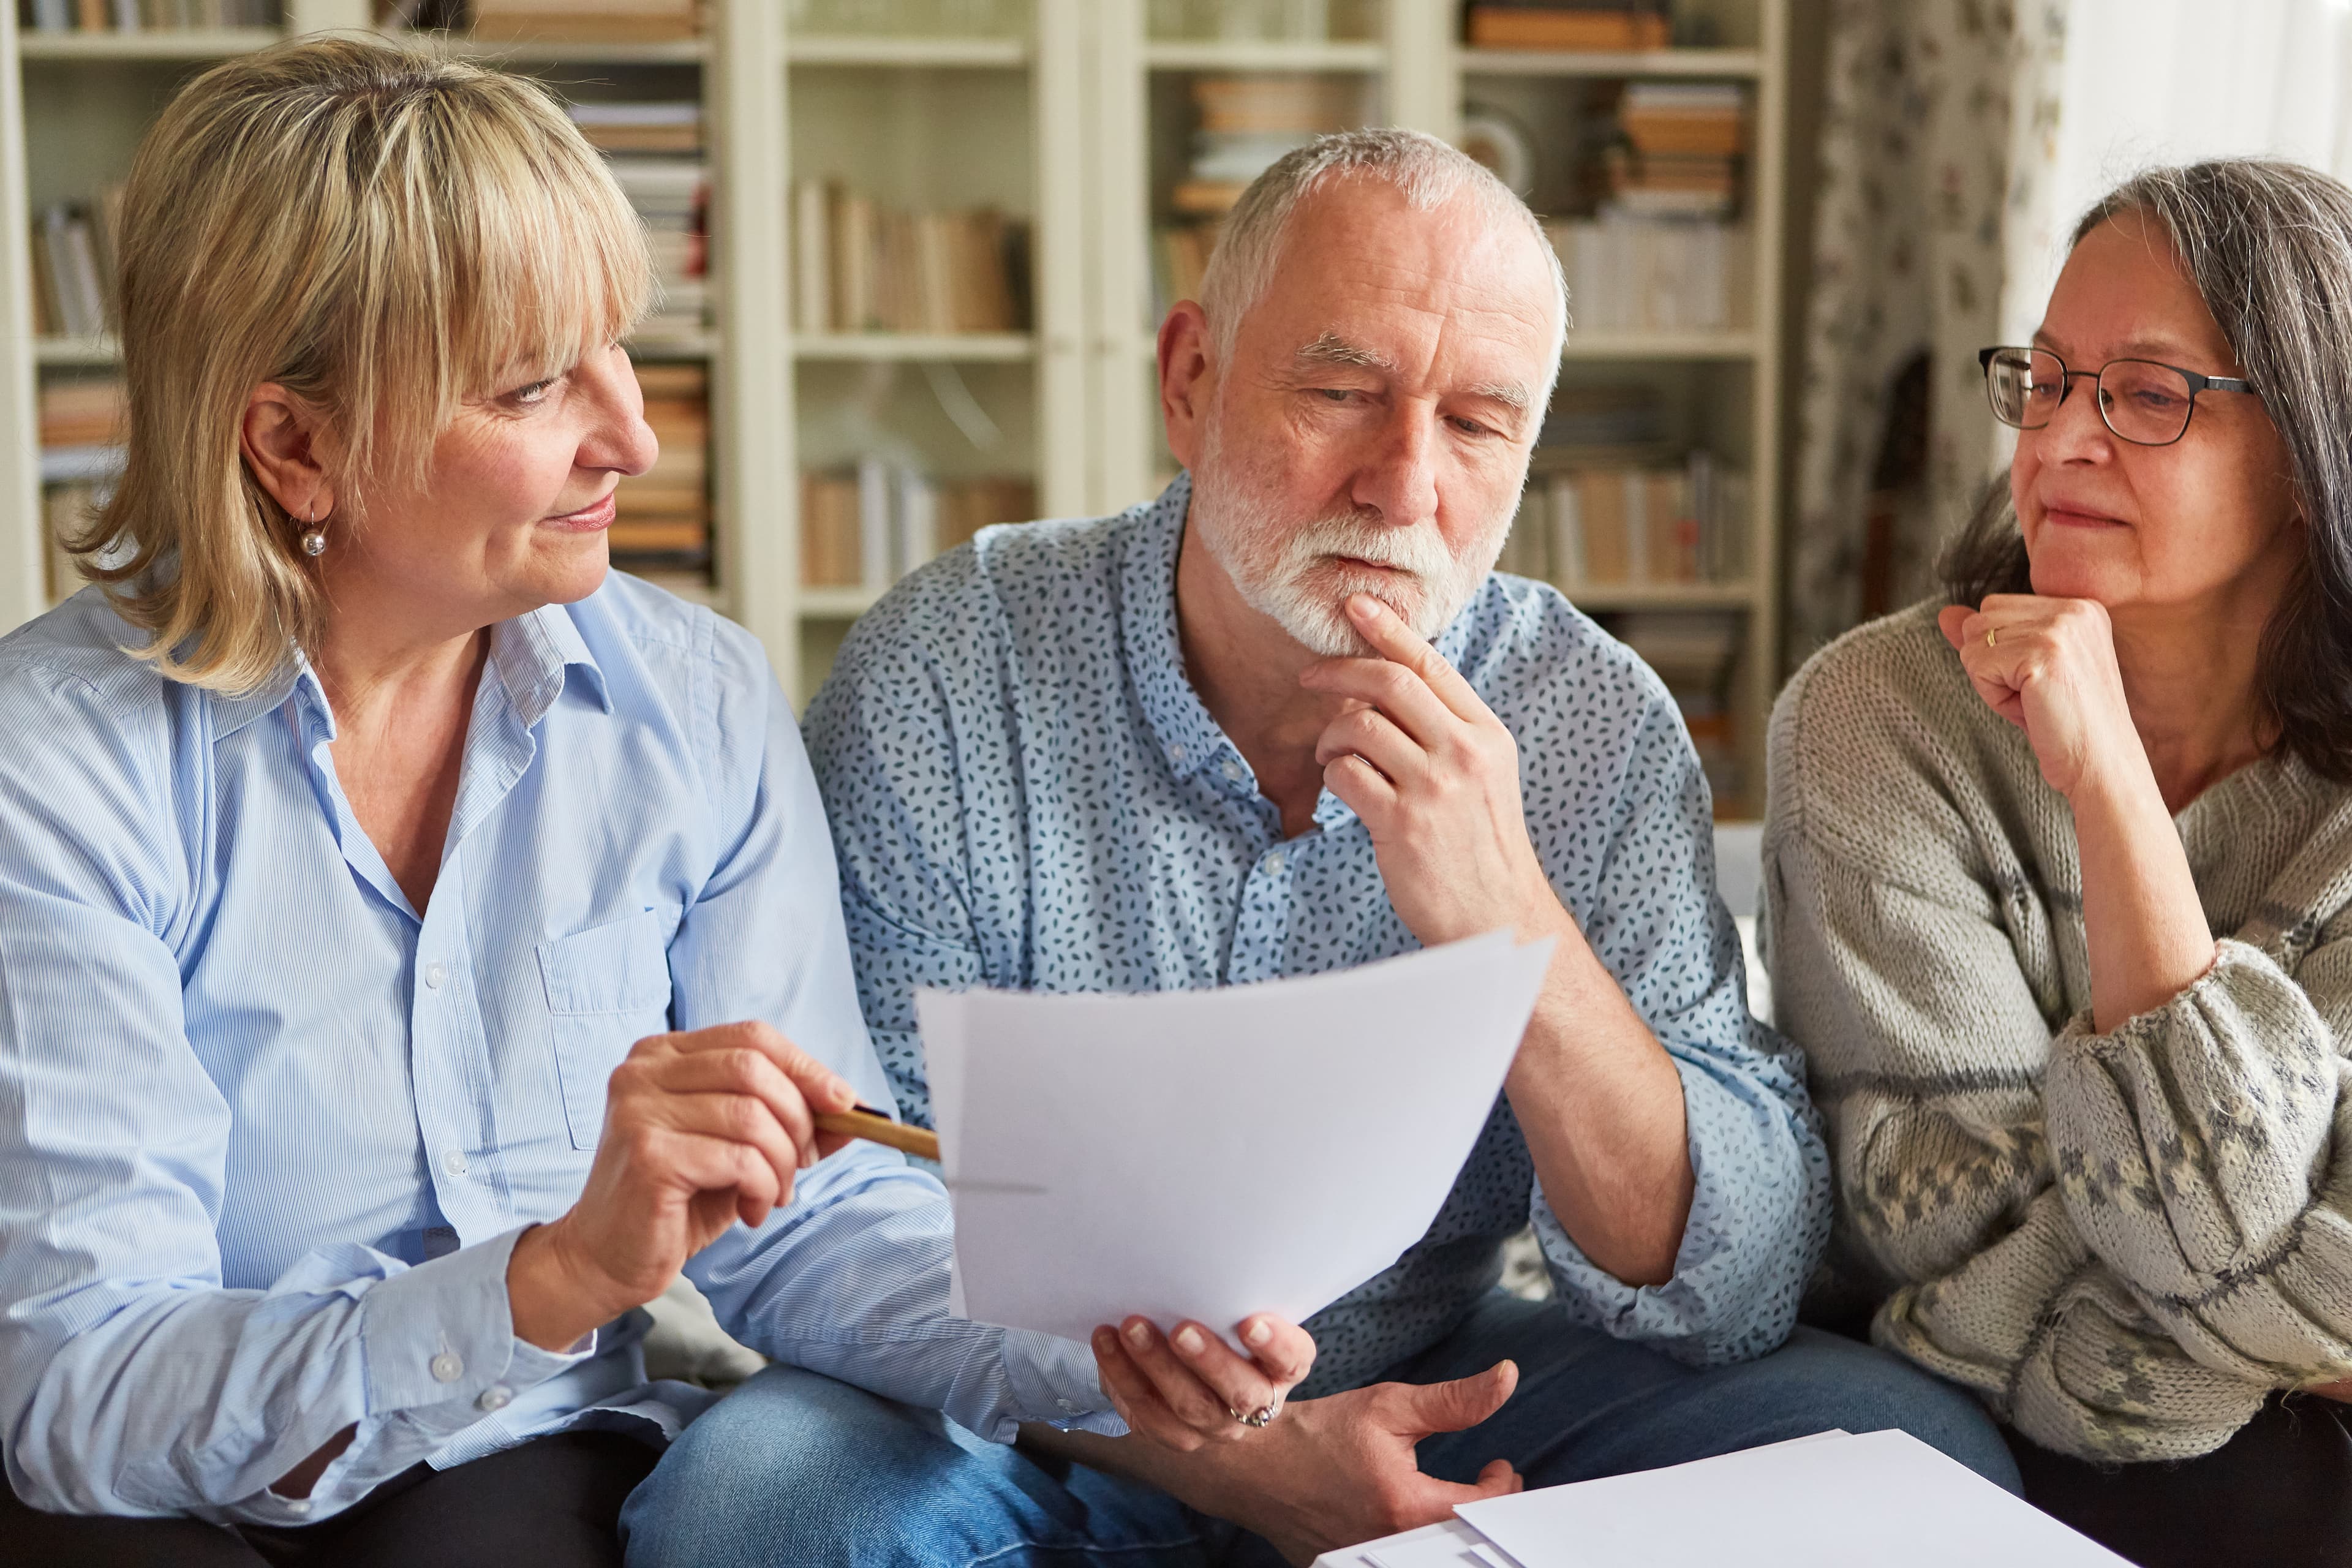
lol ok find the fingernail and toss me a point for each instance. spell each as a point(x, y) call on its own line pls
point(1258, 1333)
point(1138, 1335)
point(1189, 1341)
point(1363, 606)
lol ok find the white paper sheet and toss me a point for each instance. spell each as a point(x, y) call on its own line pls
point(1852, 1503)
point(1209, 1154)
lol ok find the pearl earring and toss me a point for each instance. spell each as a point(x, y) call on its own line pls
point(314, 539)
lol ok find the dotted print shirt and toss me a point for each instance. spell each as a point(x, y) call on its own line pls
point(1026, 793)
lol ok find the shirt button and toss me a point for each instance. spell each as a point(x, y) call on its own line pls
point(453, 1163)
point(1273, 862)
point(498, 1396)
point(435, 975)
point(1233, 770)
point(299, 1507)
point(447, 1367)
point(1176, 752)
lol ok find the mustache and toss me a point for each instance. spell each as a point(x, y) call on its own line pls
point(1362, 535)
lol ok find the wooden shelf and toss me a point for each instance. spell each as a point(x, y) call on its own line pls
point(967, 347)
point(1661, 345)
point(951, 53)
point(76, 351)
point(836, 604)
point(673, 345)
point(568, 51)
point(150, 43)
point(1604, 597)
point(1269, 55)
point(1733, 64)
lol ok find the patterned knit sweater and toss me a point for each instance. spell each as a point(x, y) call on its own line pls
point(2123, 1241)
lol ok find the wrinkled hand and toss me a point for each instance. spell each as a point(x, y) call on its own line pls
point(1181, 1389)
point(2051, 671)
point(1333, 1472)
point(1435, 776)
point(701, 1129)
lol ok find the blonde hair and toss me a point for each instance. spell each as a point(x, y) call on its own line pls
point(382, 233)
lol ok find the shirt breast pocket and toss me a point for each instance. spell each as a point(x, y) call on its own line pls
point(607, 988)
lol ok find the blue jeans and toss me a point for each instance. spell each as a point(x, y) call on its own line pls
point(795, 1470)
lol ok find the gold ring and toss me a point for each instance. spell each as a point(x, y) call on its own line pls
point(1989, 635)
point(1262, 1416)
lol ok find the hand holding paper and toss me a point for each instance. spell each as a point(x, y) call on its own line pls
point(1099, 1169)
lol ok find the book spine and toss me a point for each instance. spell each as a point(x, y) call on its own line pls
point(875, 527)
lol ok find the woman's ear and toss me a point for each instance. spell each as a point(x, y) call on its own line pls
point(279, 437)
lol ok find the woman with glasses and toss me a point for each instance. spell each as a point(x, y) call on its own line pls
point(2059, 882)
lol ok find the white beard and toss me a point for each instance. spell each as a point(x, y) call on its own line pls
point(1290, 572)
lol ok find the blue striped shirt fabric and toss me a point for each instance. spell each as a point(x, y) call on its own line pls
point(1026, 792)
point(267, 1133)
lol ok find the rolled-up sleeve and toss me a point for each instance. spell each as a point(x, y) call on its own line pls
point(1760, 1207)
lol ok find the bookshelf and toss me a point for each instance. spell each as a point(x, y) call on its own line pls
point(1071, 121)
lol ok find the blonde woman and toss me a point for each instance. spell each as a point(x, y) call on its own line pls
point(2061, 878)
point(415, 944)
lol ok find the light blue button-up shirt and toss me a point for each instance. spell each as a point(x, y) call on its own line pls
point(267, 1133)
point(1026, 792)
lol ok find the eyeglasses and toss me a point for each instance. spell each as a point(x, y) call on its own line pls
point(2143, 402)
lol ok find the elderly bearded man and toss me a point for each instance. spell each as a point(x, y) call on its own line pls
point(1282, 721)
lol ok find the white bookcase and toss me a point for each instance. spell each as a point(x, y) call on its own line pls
point(1058, 115)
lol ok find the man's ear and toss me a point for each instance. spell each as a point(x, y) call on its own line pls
point(279, 438)
point(1188, 382)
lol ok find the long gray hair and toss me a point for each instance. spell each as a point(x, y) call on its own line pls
point(2269, 245)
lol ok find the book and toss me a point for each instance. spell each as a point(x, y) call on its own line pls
point(1567, 28)
point(596, 21)
point(670, 127)
point(88, 410)
point(662, 517)
point(866, 526)
point(859, 265)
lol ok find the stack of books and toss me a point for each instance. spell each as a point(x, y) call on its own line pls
point(868, 526)
point(1572, 24)
point(1246, 123)
point(83, 423)
point(1630, 274)
point(73, 267)
point(148, 15)
point(1676, 149)
point(1582, 525)
point(861, 266)
point(673, 197)
point(663, 515)
point(596, 21)
point(673, 129)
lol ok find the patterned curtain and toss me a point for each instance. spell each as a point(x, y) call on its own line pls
point(1895, 443)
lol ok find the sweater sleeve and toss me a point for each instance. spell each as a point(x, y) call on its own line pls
point(1927, 1048)
point(2202, 1151)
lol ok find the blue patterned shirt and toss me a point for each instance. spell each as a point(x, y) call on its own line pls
point(1025, 792)
point(267, 1133)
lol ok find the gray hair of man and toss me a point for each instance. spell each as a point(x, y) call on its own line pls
point(1428, 172)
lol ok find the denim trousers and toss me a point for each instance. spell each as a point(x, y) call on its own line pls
point(795, 1470)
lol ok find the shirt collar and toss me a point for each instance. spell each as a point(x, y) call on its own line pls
point(531, 653)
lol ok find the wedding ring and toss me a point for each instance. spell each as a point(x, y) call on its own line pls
point(1989, 632)
point(1261, 1417)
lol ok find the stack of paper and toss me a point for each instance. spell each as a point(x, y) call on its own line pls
point(1830, 1502)
point(1209, 1154)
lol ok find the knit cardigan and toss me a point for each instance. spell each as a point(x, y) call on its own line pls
point(2123, 1241)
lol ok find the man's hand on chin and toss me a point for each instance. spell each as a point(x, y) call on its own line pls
point(1329, 1472)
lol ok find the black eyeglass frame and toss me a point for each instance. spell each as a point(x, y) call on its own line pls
point(2197, 381)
